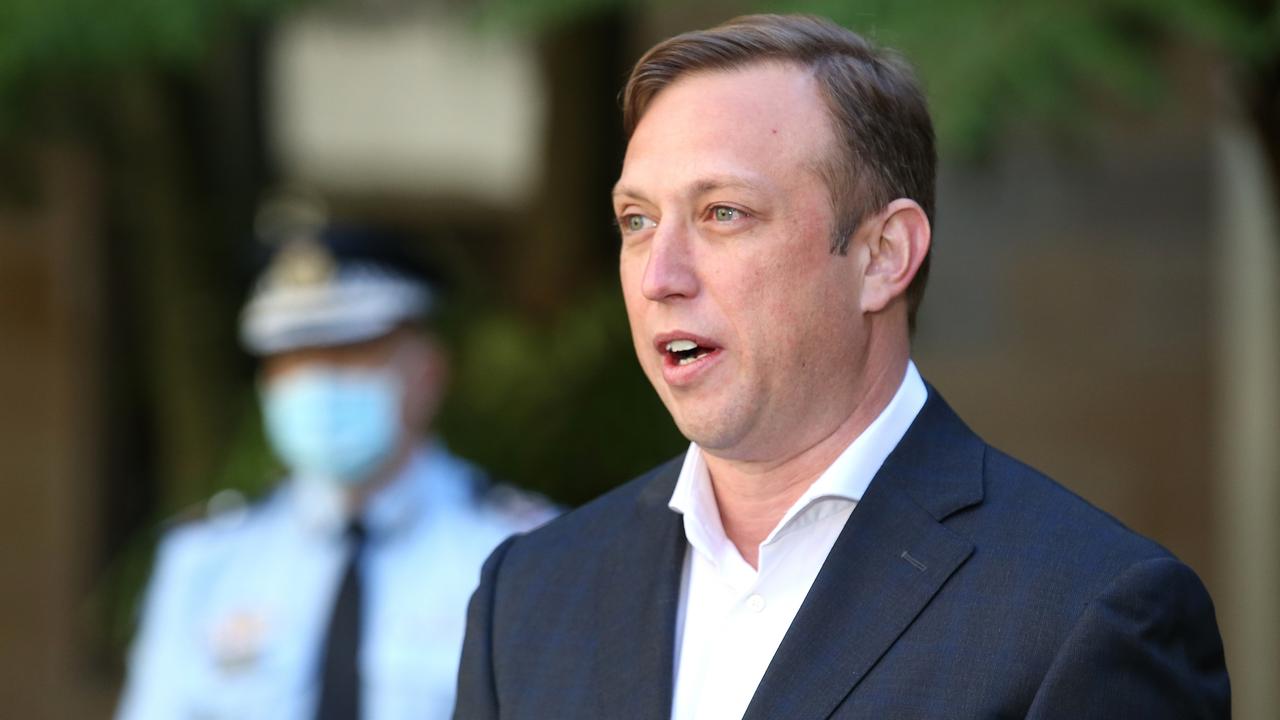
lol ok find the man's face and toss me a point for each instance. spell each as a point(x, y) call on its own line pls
point(406, 354)
point(365, 355)
point(343, 417)
point(726, 228)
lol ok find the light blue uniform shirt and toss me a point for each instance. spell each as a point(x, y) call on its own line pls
point(238, 605)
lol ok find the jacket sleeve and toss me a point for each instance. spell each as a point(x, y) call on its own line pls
point(1147, 646)
point(477, 686)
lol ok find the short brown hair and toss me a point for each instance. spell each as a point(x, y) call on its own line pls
point(875, 101)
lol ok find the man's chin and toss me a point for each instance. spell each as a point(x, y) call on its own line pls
point(714, 433)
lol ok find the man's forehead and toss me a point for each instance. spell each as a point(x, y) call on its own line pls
point(723, 127)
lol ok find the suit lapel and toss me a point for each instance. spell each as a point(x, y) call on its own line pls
point(637, 606)
point(890, 560)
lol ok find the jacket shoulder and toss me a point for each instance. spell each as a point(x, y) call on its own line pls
point(1057, 514)
point(1054, 543)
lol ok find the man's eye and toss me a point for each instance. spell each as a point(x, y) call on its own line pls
point(725, 214)
point(636, 223)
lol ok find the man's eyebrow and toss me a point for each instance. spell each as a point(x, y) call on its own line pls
point(627, 191)
point(712, 184)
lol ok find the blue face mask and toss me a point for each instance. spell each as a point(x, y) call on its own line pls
point(333, 426)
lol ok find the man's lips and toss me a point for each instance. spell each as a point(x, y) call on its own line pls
point(685, 355)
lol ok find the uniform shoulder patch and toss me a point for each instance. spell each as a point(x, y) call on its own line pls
point(225, 509)
point(522, 508)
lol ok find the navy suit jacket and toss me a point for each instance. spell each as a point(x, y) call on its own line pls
point(964, 585)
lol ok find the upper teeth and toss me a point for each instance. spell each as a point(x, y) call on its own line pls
point(681, 345)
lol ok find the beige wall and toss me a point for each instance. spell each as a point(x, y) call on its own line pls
point(1068, 319)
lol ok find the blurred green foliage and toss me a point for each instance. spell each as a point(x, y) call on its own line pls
point(48, 43)
point(987, 64)
point(560, 406)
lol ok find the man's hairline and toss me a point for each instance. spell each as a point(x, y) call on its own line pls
point(822, 166)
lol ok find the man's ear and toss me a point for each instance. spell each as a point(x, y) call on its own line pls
point(426, 373)
point(894, 254)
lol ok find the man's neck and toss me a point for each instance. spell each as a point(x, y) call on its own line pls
point(359, 494)
point(752, 496)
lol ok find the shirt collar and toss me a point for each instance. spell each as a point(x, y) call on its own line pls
point(431, 481)
point(846, 478)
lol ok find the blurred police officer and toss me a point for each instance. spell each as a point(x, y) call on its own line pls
point(343, 595)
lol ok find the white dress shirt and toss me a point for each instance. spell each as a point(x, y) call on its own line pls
point(732, 617)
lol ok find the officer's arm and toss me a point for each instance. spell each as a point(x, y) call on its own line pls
point(477, 687)
point(158, 660)
point(1148, 646)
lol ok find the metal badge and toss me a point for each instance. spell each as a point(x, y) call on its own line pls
point(238, 640)
point(302, 262)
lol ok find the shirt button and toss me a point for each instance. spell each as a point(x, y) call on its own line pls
point(755, 603)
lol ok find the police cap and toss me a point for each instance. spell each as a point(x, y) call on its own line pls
point(336, 285)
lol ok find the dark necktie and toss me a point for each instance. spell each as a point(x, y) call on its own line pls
point(339, 670)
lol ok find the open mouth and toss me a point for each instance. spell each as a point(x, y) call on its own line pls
point(684, 352)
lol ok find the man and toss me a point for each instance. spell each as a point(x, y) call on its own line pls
point(343, 595)
point(836, 543)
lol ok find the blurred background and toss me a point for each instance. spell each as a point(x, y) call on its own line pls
point(1104, 302)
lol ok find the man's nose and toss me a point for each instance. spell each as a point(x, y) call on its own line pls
point(670, 272)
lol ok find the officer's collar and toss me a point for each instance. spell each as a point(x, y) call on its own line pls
point(424, 485)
